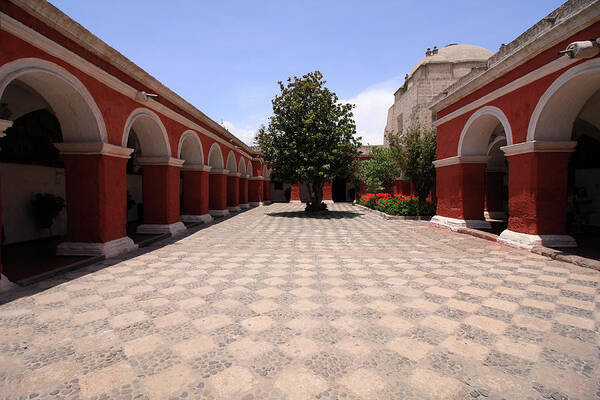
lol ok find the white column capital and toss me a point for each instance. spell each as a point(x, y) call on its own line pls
point(196, 167)
point(220, 171)
point(537, 146)
point(256, 178)
point(234, 174)
point(444, 162)
point(93, 148)
point(173, 162)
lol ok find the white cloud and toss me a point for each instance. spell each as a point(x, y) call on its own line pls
point(245, 133)
point(371, 109)
point(370, 114)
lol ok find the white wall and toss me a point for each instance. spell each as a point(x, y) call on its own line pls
point(134, 187)
point(20, 182)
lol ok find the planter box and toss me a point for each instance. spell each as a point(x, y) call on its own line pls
point(394, 217)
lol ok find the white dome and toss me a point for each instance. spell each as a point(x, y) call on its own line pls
point(456, 53)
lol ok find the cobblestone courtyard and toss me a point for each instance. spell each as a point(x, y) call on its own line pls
point(270, 304)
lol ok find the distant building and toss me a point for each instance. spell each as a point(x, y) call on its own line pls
point(439, 69)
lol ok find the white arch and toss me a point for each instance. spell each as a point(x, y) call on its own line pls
point(150, 131)
point(249, 169)
point(242, 166)
point(215, 157)
point(231, 164)
point(475, 135)
point(553, 116)
point(496, 141)
point(190, 148)
point(76, 110)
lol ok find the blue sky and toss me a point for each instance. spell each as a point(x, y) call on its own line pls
point(226, 57)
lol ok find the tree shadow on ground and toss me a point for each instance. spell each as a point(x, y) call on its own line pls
point(331, 214)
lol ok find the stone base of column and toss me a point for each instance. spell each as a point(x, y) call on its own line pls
point(6, 285)
point(495, 215)
point(295, 201)
point(157, 229)
point(234, 209)
point(254, 203)
point(108, 249)
point(328, 201)
point(204, 218)
point(454, 223)
point(244, 206)
point(265, 203)
point(219, 213)
point(528, 241)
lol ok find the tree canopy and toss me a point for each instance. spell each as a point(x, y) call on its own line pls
point(415, 151)
point(379, 172)
point(310, 138)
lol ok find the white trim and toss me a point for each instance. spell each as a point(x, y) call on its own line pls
point(539, 147)
point(219, 213)
point(196, 167)
point(528, 241)
point(518, 83)
point(256, 178)
point(242, 163)
point(233, 164)
point(235, 174)
point(40, 41)
point(108, 249)
point(487, 110)
point(234, 209)
point(173, 162)
point(244, 206)
point(155, 229)
point(455, 223)
point(219, 171)
point(138, 112)
point(218, 148)
point(444, 162)
point(4, 125)
point(204, 218)
point(495, 215)
point(586, 66)
point(93, 148)
point(14, 69)
point(194, 135)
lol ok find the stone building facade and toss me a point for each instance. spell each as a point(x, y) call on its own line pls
point(439, 69)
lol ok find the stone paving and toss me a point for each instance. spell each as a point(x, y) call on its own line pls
point(270, 304)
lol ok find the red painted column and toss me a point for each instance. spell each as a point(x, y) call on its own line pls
point(4, 124)
point(327, 193)
point(537, 189)
point(295, 193)
point(195, 194)
point(460, 192)
point(267, 191)
point(96, 197)
point(494, 194)
point(218, 192)
point(243, 195)
point(161, 179)
point(233, 191)
point(255, 190)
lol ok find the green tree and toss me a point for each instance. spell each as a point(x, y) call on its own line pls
point(379, 172)
point(415, 151)
point(310, 136)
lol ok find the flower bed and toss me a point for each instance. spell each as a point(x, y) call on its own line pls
point(397, 205)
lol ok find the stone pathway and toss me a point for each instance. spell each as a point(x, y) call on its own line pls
point(270, 304)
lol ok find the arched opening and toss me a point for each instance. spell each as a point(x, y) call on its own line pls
point(479, 148)
point(233, 184)
point(564, 143)
point(147, 136)
point(194, 180)
point(217, 182)
point(243, 185)
point(46, 105)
